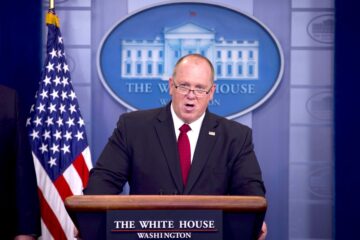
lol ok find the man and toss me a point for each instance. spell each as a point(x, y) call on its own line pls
point(218, 158)
point(19, 204)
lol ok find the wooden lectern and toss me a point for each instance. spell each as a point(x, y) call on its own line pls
point(242, 215)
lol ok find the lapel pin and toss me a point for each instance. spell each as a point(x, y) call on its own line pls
point(211, 133)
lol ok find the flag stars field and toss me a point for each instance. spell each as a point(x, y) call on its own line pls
point(47, 80)
point(46, 135)
point(50, 67)
point(52, 162)
point(44, 94)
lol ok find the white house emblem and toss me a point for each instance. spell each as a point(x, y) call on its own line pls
point(137, 56)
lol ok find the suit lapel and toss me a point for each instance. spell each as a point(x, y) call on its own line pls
point(207, 139)
point(167, 138)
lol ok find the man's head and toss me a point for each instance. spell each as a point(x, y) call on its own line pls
point(196, 73)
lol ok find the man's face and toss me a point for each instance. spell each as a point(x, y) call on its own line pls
point(193, 73)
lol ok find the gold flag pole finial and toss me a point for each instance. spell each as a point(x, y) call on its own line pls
point(51, 17)
point(52, 4)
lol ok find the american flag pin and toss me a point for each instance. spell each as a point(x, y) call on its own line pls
point(212, 133)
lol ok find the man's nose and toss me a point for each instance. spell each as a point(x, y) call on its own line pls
point(191, 94)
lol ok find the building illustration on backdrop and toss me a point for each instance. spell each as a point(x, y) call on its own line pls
point(155, 59)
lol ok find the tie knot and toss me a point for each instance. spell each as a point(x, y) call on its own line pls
point(184, 128)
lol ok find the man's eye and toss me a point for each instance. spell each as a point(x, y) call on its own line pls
point(183, 86)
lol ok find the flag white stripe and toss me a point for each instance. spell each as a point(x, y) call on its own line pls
point(53, 198)
point(73, 179)
point(87, 156)
point(45, 234)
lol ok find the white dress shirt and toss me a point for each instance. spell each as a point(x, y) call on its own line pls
point(193, 134)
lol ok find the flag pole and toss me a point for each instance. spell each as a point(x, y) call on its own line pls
point(51, 4)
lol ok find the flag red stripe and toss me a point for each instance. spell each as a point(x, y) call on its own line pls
point(49, 218)
point(82, 169)
point(63, 187)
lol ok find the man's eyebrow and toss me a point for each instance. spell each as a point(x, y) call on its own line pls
point(184, 83)
point(200, 86)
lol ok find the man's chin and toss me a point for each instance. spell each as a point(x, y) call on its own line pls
point(189, 118)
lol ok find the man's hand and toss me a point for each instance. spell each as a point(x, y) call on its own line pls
point(24, 237)
point(263, 232)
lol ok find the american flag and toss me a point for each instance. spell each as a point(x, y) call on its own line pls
point(58, 140)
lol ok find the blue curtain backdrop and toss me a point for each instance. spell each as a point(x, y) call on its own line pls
point(347, 119)
point(20, 48)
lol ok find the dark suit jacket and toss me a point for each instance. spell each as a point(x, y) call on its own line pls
point(143, 151)
point(19, 204)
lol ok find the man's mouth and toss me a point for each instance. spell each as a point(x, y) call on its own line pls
point(189, 106)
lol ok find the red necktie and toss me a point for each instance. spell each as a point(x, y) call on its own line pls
point(184, 151)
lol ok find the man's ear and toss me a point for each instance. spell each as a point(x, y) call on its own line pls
point(171, 84)
point(212, 91)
